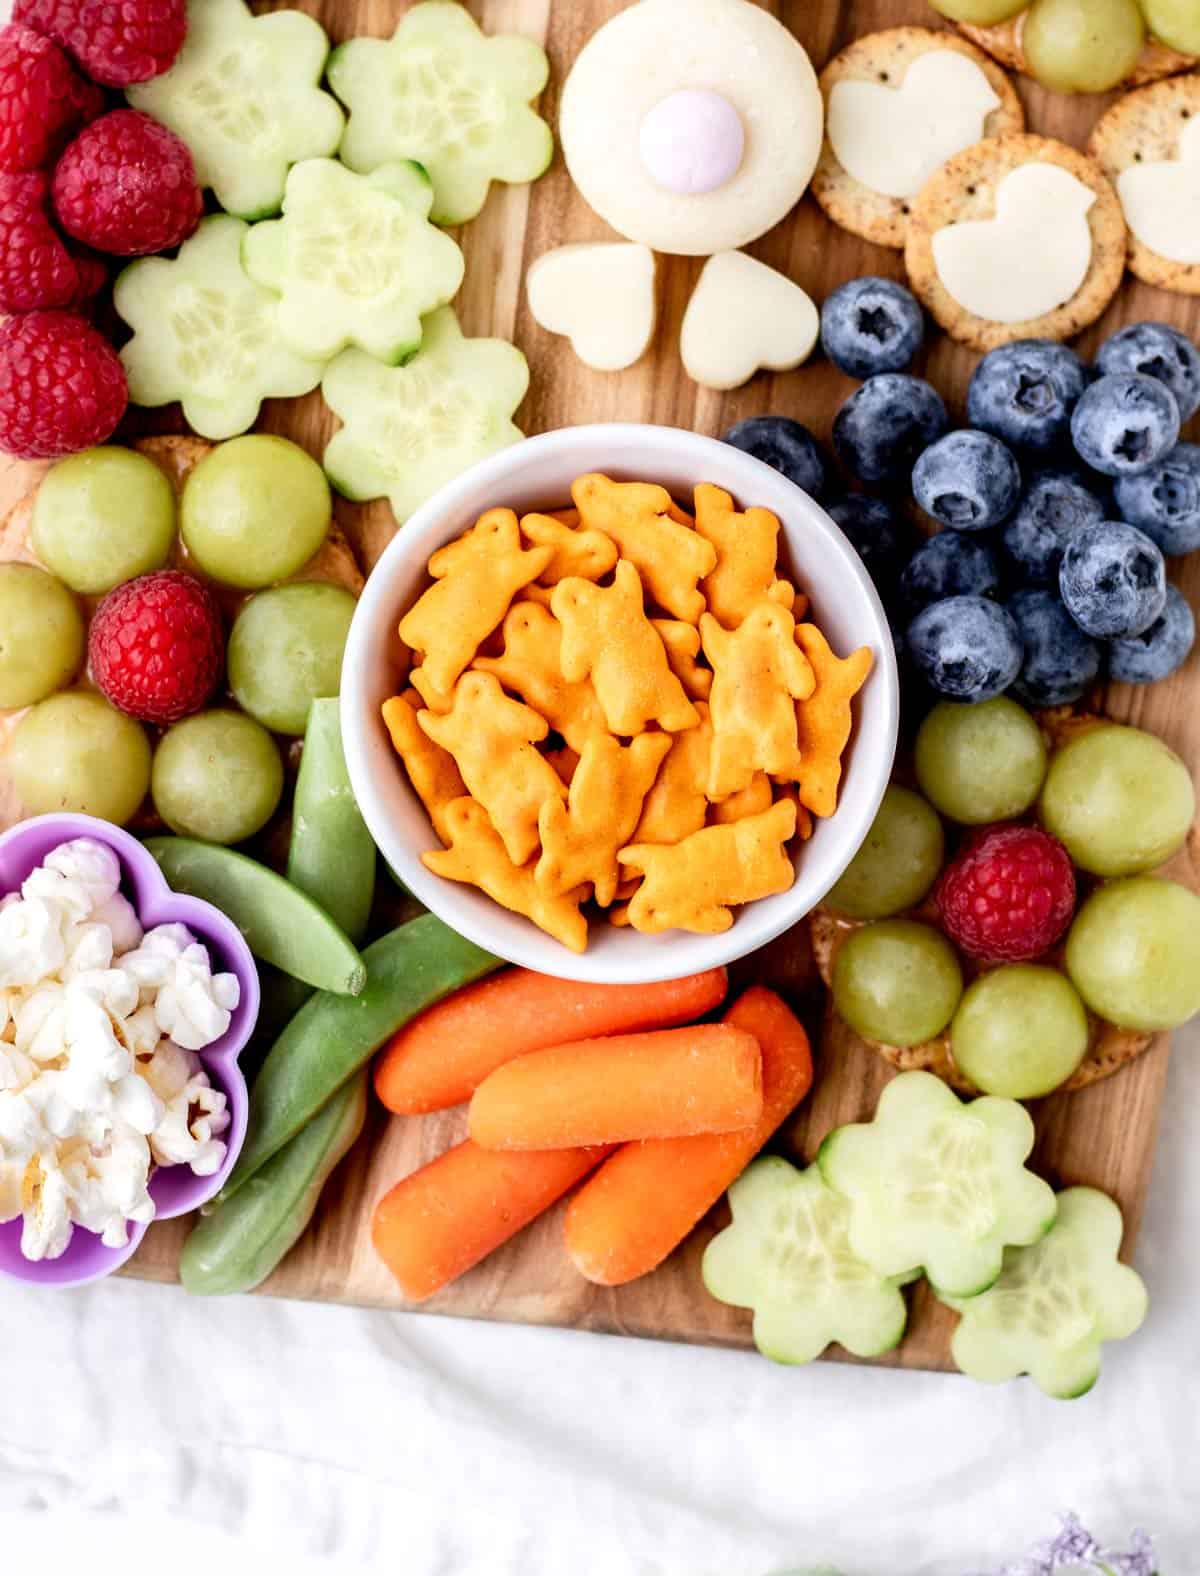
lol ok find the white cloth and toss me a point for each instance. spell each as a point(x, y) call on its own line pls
point(453, 1449)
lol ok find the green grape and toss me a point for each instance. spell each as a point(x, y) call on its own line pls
point(1019, 1031)
point(1082, 46)
point(1134, 953)
point(41, 635)
point(255, 511)
point(982, 13)
point(103, 517)
point(897, 864)
point(980, 763)
point(1174, 22)
point(217, 776)
point(1120, 800)
point(76, 752)
point(285, 651)
point(896, 981)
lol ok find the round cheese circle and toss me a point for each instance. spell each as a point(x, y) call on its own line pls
point(653, 154)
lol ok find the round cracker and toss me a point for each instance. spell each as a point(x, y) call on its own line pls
point(1144, 126)
point(884, 57)
point(964, 188)
point(1003, 42)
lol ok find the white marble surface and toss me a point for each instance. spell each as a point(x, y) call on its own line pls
point(467, 1450)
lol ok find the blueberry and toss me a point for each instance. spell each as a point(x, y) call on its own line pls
point(967, 480)
point(1060, 660)
point(966, 648)
point(886, 424)
point(1112, 579)
point(870, 528)
point(1164, 501)
point(1157, 651)
point(1124, 422)
point(1055, 505)
point(871, 325)
point(786, 447)
point(1024, 393)
point(949, 564)
point(1156, 350)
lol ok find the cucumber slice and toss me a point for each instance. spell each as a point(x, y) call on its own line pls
point(409, 430)
point(205, 334)
point(938, 1185)
point(1055, 1303)
point(787, 1256)
point(443, 93)
point(244, 95)
point(354, 260)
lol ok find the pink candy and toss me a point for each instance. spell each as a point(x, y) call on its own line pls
point(692, 142)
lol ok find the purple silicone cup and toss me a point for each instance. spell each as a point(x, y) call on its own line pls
point(174, 1189)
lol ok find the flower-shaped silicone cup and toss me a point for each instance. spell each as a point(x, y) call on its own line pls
point(175, 1189)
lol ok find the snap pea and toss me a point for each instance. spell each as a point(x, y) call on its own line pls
point(281, 924)
point(332, 856)
point(332, 1036)
point(236, 1247)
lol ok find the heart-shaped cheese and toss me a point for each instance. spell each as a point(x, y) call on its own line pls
point(1162, 200)
point(743, 316)
point(601, 296)
point(892, 139)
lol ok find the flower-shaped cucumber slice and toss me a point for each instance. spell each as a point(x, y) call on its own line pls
point(938, 1185)
point(205, 334)
point(354, 259)
point(244, 95)
point(788, 1256)
point(1055, 1303)
point(409, 430)
point(443, 93)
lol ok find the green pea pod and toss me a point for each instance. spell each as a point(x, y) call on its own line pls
point(236, 1248)
point(332, 1036)
point(332, 856)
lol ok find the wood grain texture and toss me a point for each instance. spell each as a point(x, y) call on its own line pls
point(1104, 1135)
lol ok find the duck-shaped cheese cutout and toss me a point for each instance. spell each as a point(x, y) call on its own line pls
point(601, 296)
point(1028, 260)
point(893, 138)
point(1162, 200)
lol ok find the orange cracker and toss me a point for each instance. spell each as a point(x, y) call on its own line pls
point(757, 796)
point(564, 762)
point(683, 647)
point(475, 580)
point(588, 554)
point(491, 739)
point(823, 718)
point(606, 634)
point(580, 840)
point(431, 770)
point(759, 672)
point(432, 697)
point(536, 593)
point(694, 884)
point(676, 805)
point(644, 523)
point(475, 855)
point(747, 548)
point(531, 666)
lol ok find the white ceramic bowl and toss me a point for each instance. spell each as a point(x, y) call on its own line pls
point(537, 474)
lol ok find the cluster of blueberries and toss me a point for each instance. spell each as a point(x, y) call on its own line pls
point(1056, 505)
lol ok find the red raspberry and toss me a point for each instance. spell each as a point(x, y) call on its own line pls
point(127, 185)
point(36, 269)
point(116, 42)
point(62, 386)
point(1009, 895)
point(42, 100)
point(156, 646)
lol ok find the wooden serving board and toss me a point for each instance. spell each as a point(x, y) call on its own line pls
point(1104, 1135)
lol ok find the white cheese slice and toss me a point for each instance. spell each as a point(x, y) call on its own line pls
point(1162, 200)
point(601, 296)
point(744, 316)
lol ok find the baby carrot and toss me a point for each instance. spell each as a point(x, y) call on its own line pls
point(671, 1082)
point(642, 1203)
point(442, 1220)
point(441, 1057)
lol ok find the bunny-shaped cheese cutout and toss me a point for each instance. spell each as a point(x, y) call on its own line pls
point(601, 296)
point(893, 138)
point(1031, 258)
point(1162, 200)
point(744, 316)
